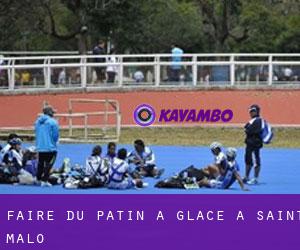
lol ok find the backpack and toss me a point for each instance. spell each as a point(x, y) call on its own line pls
point(185, 179)
point(266, 132)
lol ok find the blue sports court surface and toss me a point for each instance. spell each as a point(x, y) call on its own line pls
point(280, 171)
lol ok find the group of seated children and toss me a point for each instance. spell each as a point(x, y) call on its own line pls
point(225, 170)
point(17, 165)
point(221, 174)
point(117, 170)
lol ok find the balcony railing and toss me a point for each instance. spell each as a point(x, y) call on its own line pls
point(148, 70)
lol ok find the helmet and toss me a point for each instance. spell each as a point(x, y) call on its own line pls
point(15, 141)
point(231, 153)
point(254, 107)
point(12, 136)
point(215, 145)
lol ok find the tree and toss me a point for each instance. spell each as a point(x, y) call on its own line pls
point(152, 26)
point(250, 26)
point(143, 26)
point(264, 25)
point(72, 19)
point(59, 24)
point(221, 23)
point(289, 39)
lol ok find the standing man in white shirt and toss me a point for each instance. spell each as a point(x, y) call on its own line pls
point(111, 70)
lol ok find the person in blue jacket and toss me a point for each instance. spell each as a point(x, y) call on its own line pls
point(253, 143)
point(46, 136)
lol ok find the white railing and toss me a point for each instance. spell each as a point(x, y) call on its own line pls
point(39, 53)
point(83, 71)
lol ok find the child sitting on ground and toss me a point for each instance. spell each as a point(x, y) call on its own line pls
point(7, 147)
point(118, 173)
point(111, 153)
point(228, 177)
point(27, 175)
point(93, 175)
point(13, 158)
point(143, 159)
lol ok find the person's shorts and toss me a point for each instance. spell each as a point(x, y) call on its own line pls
point(148, 169)
point(223, 182)
point(250, 150)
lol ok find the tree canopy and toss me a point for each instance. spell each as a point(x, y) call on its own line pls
point(151, 26)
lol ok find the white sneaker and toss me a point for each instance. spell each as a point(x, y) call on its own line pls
point(253, 181)
point(45, 184)
point(71, 185)
point(191, 186)
point(145, 184)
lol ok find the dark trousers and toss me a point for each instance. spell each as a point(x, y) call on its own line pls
point(46, 162)
point(175, 75)
point(249, 152)
point(111, 77)
point(100, 72)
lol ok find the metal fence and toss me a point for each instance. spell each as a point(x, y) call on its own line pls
point(148, 70)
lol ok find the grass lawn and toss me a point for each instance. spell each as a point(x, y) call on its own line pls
point(283, 137)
